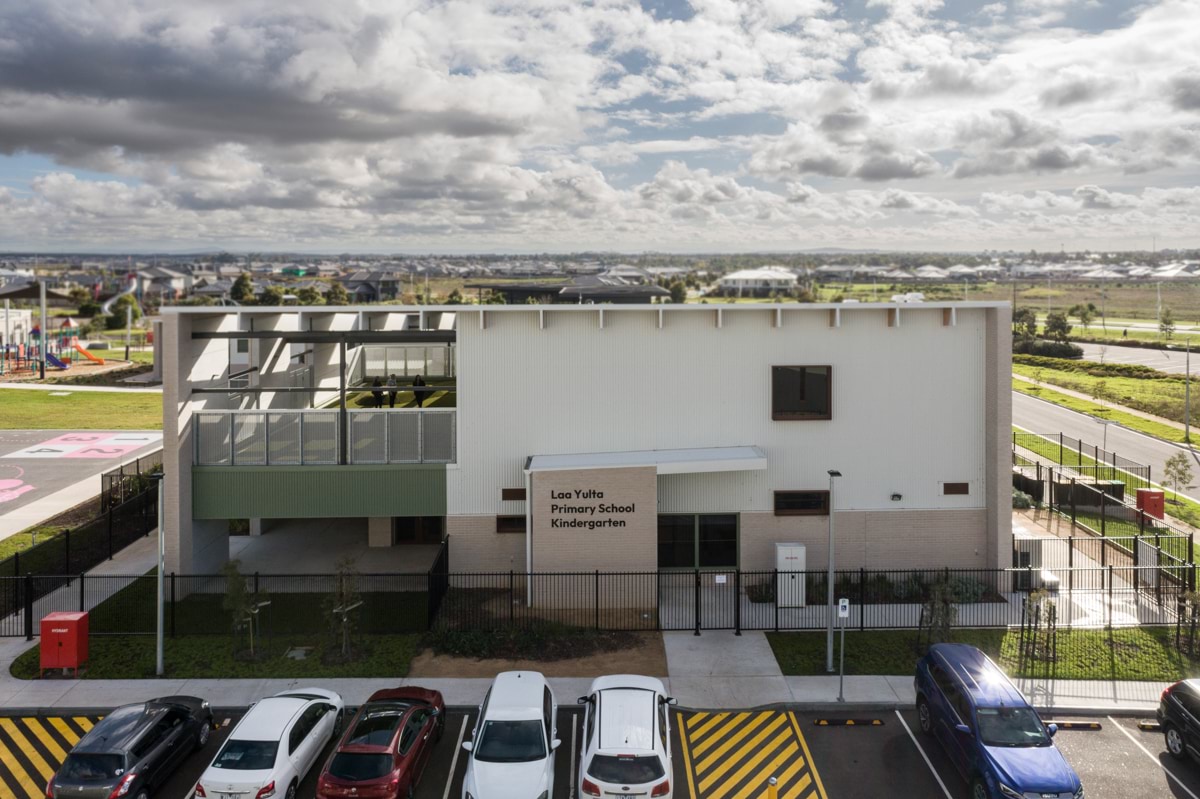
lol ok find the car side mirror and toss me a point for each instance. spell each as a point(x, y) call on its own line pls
point(555, 744)
point(1051, 729)
point(672, 700)
point(963, 728)
point(435, 712)
point(583, 700)
point(468, 745)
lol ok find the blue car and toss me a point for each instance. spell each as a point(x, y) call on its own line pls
point(995, 739)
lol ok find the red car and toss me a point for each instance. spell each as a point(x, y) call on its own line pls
point(386, 746)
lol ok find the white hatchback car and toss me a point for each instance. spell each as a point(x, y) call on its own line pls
point(626, 739)
point(274, 745)
point(512, 745)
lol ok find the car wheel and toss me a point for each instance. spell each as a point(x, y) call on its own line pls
point(979, 789)
point(1175, 745)
point(142, 794)
point(441, 727)
point(924, 716)
point(291, 791)
point(409, 795)
point(202, 735)
point(337, 723)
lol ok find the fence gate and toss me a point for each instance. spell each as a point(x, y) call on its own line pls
point(699, 600)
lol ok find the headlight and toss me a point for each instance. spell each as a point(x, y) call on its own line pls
point(1009, 792)
point(1079, 793)
point(468, 794)
point(544, 795)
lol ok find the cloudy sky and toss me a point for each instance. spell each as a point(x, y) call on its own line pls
point(559, 125)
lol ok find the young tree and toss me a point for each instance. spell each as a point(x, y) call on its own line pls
point(1099, 390)
point(116, 317)
point(342, 604)
point(310, 296)
point(1084, 313)
point(1025, 324)
point(456, 298)
point(239, 602)
point(271, 296)
point(1178, 472)
point(337, 294)
point(1057, 327)
point(243, 290)
point(1166, 323)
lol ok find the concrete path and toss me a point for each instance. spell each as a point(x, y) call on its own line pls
point(73, 387)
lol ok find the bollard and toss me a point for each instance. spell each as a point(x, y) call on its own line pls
point(772, 788)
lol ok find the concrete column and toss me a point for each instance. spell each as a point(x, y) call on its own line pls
point(257, 526)
point(998, 436)
point(379, 531)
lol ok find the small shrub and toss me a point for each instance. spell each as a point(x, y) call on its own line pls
point(761, 592)
point(1021, 500)
point(1047, 349)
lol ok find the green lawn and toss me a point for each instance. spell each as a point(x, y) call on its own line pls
point(210, 656)
point(81, 410)
point(1160, 397)
point(1147, 426)
point(1143, 653)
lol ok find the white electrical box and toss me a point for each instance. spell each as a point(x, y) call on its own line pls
point(791, 561)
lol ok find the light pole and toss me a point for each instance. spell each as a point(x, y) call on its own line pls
point(829, 581)
point(158, 628)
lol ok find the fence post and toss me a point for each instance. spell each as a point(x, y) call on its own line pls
point(696, 615)
point(67, 551)
point(1072, 503)
point(512, 596)
point(737, 602)
point(775, 593)
point(1070, 563)
point(1192, 561)
point(862, 599)
point(597, 605)
point(16, 564)
point(1109, 603)
point(172, 604)
point(1141, 521)
point(1137, 544)
point(1103, 514)
point(28, 606)
point(82, 593)
point(110, 545)
point(1060, 447)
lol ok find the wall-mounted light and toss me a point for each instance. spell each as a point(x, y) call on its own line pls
point(897, 497)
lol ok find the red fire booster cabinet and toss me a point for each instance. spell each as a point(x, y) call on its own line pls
point(64, 641)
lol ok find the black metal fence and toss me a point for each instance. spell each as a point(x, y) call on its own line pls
point(1086, 460)
point(299, 605)
point(121, 484)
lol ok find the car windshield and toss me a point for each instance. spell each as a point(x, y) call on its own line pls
point(1010, 726)
point(626, 769)
point(355, 766)
point(510, 742)
point(88, 768)
point(376, 729)
point(247, 755)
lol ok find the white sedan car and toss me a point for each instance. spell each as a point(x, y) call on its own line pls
point(512, 745)
point(273, 746)
point(626, 739)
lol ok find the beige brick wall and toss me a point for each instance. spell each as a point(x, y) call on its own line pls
point(475, 546)
point(872, 539)
point(631, 547)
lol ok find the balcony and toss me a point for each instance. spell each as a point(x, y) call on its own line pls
point(313, 437)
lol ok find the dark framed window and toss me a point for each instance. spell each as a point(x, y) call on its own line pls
point(512, 494)
point(800, 393)
point(801, 503)
point(510, 524)
point(956, 488)
point(704, 541)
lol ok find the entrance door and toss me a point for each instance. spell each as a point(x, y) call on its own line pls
point(418, 529)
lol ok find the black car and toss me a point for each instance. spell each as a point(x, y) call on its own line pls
point(1179, 714)
point(133, 749)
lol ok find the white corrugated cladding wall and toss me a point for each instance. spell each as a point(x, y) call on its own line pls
point(908, 401)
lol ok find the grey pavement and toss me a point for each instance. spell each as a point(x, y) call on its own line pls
point(1170, 361)
point(73, 387)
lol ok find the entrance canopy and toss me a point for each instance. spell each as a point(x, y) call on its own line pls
point(667, 461)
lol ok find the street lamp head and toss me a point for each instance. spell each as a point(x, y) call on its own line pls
point(834, 473)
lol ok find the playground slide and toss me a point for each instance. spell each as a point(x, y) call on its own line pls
point(88, 355)
point(108, 304)
point(55, 362)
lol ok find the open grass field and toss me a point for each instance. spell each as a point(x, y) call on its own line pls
point(80, 410)
point(1163, 398)
point(1147, 426)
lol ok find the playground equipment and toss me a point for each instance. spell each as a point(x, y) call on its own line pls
point(106, 309)
point(88, 355)
point(55, 362)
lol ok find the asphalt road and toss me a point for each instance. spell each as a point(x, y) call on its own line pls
point(1163, 360)
point(1039, 416)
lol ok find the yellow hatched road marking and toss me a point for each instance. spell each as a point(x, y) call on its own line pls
point(44, 736)
point(83, 723)
point(733, 741)
point(695, 719)
point(741, 774)
point(716, 736)
point(808, 756)
point(801, 787)
point(751, 744)
point(31, 754)
point(708, 726)
point(18, 773)
point(789, 773)
point(687, 760)
point(68, 733)
point(754, 786)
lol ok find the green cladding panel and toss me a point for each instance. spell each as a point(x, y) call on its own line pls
point(298, 492)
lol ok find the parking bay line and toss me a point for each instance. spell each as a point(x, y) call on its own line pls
point(924, 756)
point(1168, 772)
point(454, 760)
point(571, 762)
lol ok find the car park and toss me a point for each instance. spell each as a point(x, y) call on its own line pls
point(133, 750)
point(627, 739)
point(273, 747)
point(1179, 716)
point(991, 734)
point(513, 744)
point(386, 747)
